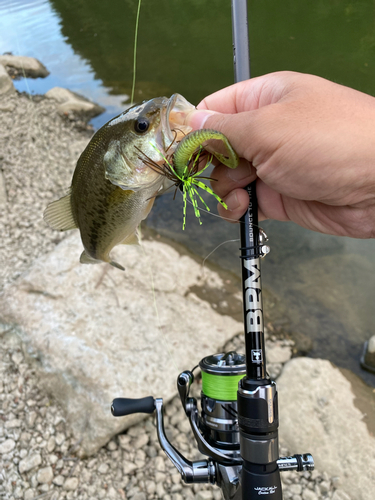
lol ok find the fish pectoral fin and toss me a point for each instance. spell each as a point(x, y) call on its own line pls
point(59, 214)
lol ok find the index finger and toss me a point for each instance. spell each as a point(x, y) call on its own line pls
point(249, 94)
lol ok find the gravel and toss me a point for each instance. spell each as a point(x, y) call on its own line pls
point(30, 127)
point(38, 455)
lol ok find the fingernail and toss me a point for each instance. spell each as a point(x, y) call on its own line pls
point(243, 171)
point(196, 119)
point(232, 201)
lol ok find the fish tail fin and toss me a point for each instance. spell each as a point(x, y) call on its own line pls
point(59, 214)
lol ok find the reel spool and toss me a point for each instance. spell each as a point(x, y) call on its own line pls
point(221, 374)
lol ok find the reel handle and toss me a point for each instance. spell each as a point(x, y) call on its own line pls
point(126, 406)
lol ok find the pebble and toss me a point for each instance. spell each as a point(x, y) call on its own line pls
point(111, 446)
point(103, 468)
point(12, 424)
point(324, 487)
point(51, 443)
point(204, 495)
point(29, 462)
point(139, 496)
point(340, 495)
point(59, 480)
point(141, 441)
point(296, 489)
point(31, 418)
point(309, 495)
point(129, 467)
point(29, 494)
point(45, 475)
point(7, 446)
point(71, 483)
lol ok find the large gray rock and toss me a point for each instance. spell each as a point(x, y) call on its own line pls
point(6, 84)
point(318, 415)
point(71, 102)
point(25, 66)
point(97, 333)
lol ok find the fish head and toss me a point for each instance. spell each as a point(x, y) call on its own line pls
point(150, 129)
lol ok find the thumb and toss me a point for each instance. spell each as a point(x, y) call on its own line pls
point(238, 127)
point(197, 118)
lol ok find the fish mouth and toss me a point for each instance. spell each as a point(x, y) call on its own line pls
point(174, 119)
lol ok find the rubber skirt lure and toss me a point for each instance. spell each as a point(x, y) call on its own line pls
point(183, 167)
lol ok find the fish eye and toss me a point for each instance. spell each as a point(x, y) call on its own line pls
point(141, 125)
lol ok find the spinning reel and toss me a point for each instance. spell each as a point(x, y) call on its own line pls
point(242, 451)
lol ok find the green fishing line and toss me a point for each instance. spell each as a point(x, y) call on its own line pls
point(222, 387)
point(135, 51)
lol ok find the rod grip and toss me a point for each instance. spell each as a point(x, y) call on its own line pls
point(126, 406)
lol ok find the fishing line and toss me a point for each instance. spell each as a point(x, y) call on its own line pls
point(219, 387)
point(135, 51)
point(163, 335)
point(214, 250)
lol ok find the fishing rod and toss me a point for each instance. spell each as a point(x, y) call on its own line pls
point(237, 425)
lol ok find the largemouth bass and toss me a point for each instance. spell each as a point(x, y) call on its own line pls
point(112, 188)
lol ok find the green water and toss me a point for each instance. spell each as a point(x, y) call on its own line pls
point(324, 284)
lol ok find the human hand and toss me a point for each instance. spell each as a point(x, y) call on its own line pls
point(308, 142)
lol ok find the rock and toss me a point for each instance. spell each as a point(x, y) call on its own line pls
point(140, 442)
point(70, 102)
point(7, 446)
point(277, 353)
point(309, 495)
point(103, 468)
point(29, 462)
point(129, 467)
point(25, 66)
point(94, 333)
point(368, 356)
point(296, 489)
point(340, 495)
point(29, 494)
point(59, 480)
point(71, 484)
point(204, 495)
point(51, 443)
point(139, 496)
point(112, 446)
point(13, 424)
point(318, 415)
point(6, 84)
point(3, 193)
point(44, 475)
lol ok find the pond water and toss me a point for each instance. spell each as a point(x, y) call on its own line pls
point(324, 284)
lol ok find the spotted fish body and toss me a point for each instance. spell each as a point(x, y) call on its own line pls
point(112, 189)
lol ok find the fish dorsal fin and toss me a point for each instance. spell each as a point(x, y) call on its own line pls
point(59, 214)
